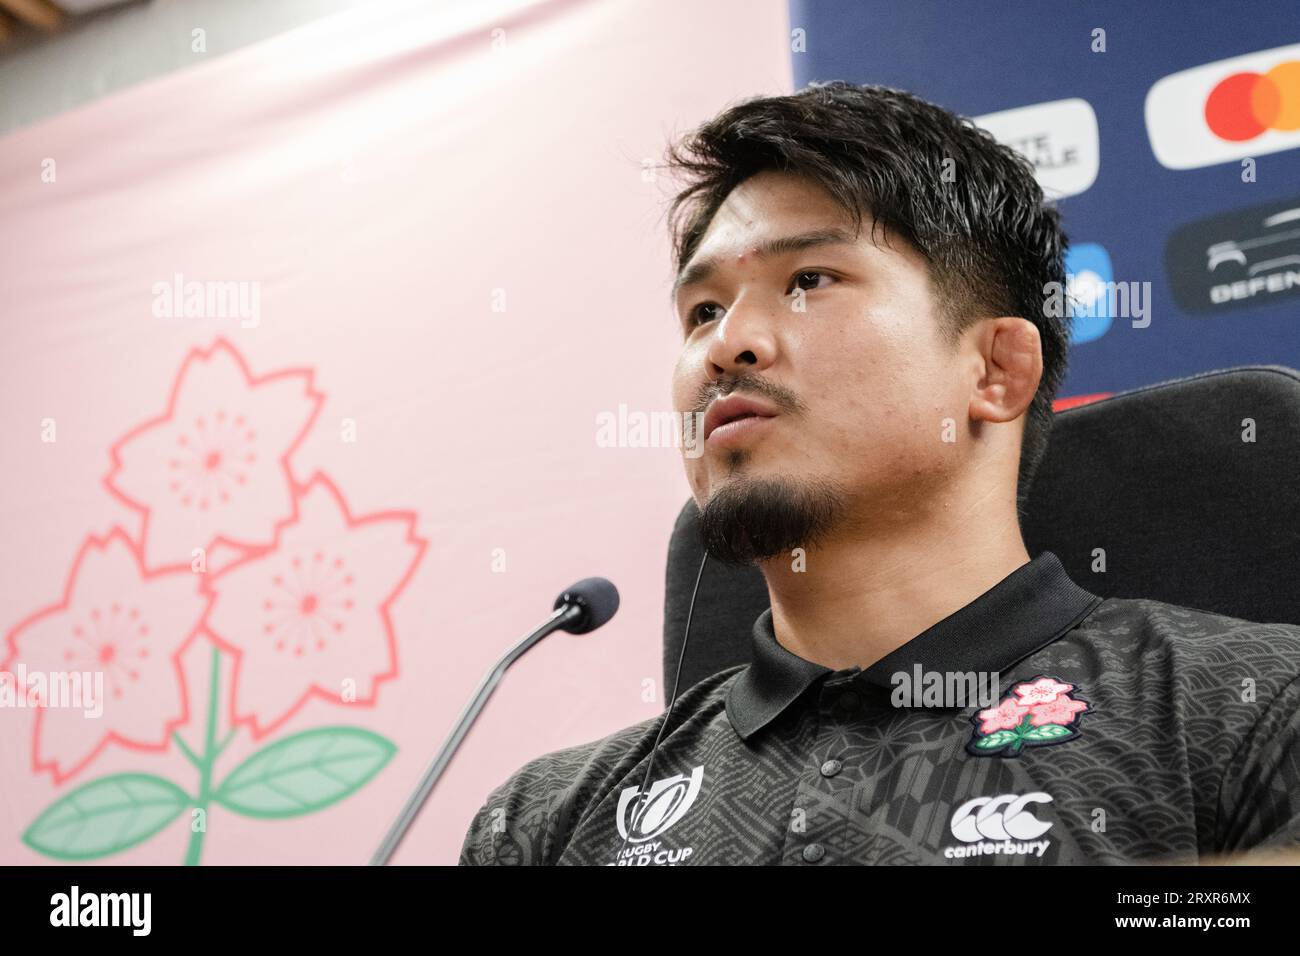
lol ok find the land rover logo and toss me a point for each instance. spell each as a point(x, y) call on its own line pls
point(1247, 257)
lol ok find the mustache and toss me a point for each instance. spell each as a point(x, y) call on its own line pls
point(784, 399)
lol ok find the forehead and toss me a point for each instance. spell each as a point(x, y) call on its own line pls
point(767, 205)
point(767, 215)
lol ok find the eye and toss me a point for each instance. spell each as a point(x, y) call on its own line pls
point(698, 314)
point(707, 312)
point(801, 276)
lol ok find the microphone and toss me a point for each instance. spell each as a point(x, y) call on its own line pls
point(580, 609)
point(598, 600)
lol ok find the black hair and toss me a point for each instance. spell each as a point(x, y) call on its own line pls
point(970, 205)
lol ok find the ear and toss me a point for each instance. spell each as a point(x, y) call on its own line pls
point(1012, 354)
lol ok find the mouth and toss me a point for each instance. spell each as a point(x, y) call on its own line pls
point(735, 417)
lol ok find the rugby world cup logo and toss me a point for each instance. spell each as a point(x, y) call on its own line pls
point(644, 817)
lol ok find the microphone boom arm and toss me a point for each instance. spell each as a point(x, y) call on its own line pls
point(564, 615)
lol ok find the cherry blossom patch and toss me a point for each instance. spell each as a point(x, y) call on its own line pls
point(1039, 711)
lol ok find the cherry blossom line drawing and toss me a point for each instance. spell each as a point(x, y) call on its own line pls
point(301, 609)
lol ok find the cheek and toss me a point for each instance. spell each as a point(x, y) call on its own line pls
point(856, 381)
point(881, 397)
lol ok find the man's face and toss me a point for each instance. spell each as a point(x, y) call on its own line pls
point(846, 399)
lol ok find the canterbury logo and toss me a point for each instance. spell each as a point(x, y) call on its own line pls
point(665, 803)
point(1006, 817)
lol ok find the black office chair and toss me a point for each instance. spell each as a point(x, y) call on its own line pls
point(1160, 477)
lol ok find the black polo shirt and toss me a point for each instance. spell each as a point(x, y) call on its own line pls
point(1117, 730)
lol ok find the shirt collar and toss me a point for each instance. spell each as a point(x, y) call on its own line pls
point(1027, 610)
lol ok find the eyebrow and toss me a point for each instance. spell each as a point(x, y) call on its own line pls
point(701, 270)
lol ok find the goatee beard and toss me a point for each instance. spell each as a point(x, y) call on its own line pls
point(749, 521)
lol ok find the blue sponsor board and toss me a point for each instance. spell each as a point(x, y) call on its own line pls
point(1139, 165)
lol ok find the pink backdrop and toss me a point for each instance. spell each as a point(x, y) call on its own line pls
point(441, 261)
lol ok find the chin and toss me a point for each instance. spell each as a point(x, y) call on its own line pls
point(750, 519)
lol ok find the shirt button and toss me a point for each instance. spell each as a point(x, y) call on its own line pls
point(848, 702)
point(831, 767)
point(813, 852)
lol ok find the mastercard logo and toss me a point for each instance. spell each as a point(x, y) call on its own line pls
point(1245, 106)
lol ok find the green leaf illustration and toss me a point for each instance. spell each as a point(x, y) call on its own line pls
point(1046, 732)
point(305, 772)
point(995, 740)
point(106, 816)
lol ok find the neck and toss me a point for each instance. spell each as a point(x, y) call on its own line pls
point(865, 593)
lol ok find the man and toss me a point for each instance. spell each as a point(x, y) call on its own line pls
point(864, 289)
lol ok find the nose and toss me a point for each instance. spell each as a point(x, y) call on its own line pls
point(741, 343)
